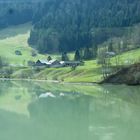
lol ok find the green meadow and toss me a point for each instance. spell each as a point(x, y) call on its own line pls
point(15, 38)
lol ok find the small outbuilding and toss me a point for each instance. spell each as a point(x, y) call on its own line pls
point(110, 54)
point(72, 63)
point(41, 63)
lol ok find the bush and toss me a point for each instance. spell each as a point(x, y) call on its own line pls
point(33, 53)
point(49, 58)
point(137, 77)
point(73, 67)
point(17, 52)
point(6, 72)
point(3, 62)
point(31, 63)
point(55, 78)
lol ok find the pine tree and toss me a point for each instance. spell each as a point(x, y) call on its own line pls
point(124, 46)
point(65, 57)
point(77, 56)
point(110, 47)
point(88, 54)
point(49, 58)
point(95, 49)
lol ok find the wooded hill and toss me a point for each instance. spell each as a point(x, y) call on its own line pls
point(68, 25)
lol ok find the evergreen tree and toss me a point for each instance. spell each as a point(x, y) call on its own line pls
point(65, 57)
point(77, 56)
point(119, 47)
point(49, 58)
point(110, 47)
point(88, 54)
point(95, 49)
point(124, 46)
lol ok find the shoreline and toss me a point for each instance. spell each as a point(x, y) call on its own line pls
point(35, 80)
point(61, 82)
point(52, 81)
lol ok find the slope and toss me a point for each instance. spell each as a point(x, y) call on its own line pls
point(15, 38)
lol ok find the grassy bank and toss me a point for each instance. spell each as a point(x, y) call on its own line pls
point(90, 72)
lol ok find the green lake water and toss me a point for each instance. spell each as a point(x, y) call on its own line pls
point(45, 111)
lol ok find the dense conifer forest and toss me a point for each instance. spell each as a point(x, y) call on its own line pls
point(68, 25)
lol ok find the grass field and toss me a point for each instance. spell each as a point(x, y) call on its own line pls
point(129, 57)
point(15, 38)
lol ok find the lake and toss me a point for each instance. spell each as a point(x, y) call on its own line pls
point(52, 111)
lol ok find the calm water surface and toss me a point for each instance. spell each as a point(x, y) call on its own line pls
point(43, 111)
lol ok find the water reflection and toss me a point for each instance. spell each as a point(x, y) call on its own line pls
point(58, 113)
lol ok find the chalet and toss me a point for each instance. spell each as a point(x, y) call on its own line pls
point(72, 63)
point(41, 63)
point(49, 64)
point(110, 54)
point(57, 64)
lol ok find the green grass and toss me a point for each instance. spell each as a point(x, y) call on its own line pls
point(90, 72)
point(15, 38)
point(126, 58)
point(130, 56)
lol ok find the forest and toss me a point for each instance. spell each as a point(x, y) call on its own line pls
point(15, 12)
point(69, 25)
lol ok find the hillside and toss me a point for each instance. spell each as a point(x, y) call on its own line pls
point(68, 25)
point(15, 38)
point(13, 12)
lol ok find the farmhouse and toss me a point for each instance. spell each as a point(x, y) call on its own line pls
point(40, 63)
point(49, 64)
point(57, 64)
point(72, 63)
point(110, 54)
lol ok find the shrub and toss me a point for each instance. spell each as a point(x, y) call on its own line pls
point(31, 63)
point(33, 53)
point(17, 52)
point(3, 62)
